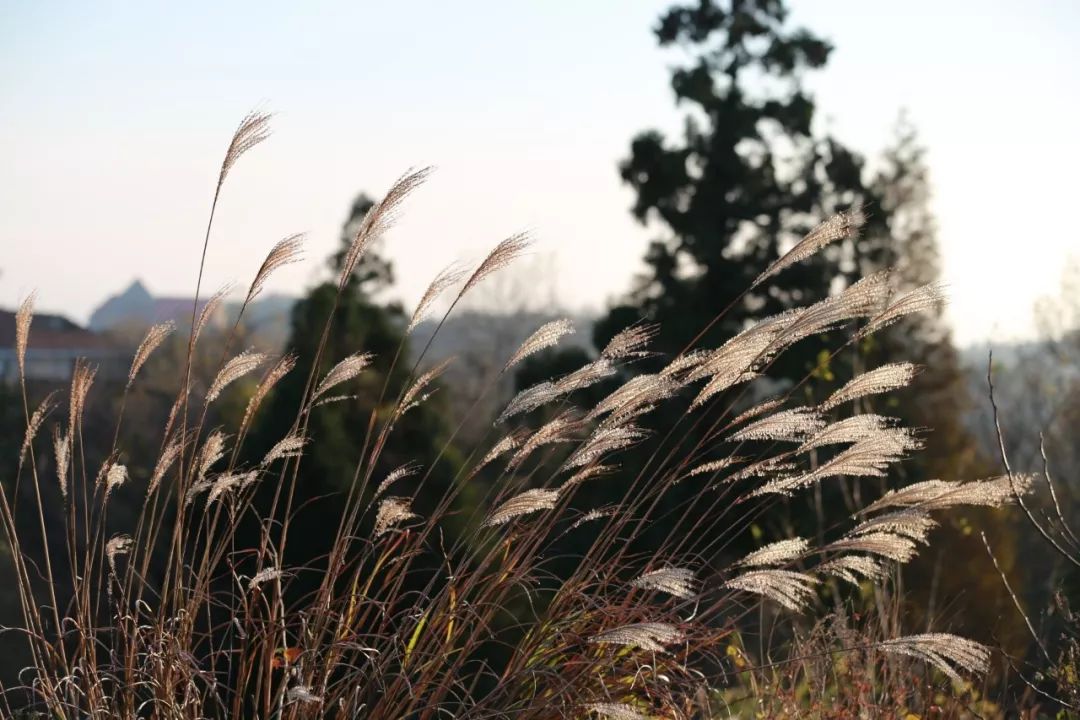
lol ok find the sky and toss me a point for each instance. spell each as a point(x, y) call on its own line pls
point(114, 117)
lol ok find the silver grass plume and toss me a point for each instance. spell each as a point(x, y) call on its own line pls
point(638, 391)
point(303, 694)
point(529, 399)
point(777, 553)
point(852, 568)
point(676, 581)
point(756, 411)
point(212, 450)
point(34, 424)
point(684, 365)
point(502, 255)
point(651, 636)
point(23, 317)
point(921, 299)
point(762, 468)
point(553, 431)
point(603, 441)
point(616, 711)
point(508, 443)
point(285, 252)
point(594, 514)
point(912, 523)
point(114, 478)
point(415, 394)
point(208, 310)
point(714, 466)
point(253, 129)
point(62, 450)
point(164, 462)
point(403, 471)
point(82, 378)
point(791, 589)
point(862, 299)
point(344, 371)
point(379, 219)
point(585, 376)
point(793, 424)
point(263, 576)
point(630, 342)
point(154, 337)
point(529, 501)
point(233, 370)
point(277, 371)
point(446, 279)
point(587, 473)
point(290, 446)
point(545, 336)
point(893, 546)
point(873, 382)
point(849, 430)
point(843, 225)
point(948, 653)
point(116, 546)
point(392, 510)
point(229, 482)
point(866, 458)
point(942, 494)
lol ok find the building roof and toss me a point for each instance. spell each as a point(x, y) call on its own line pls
point(51, 332)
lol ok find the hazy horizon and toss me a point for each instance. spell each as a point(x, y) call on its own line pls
point(117, 115)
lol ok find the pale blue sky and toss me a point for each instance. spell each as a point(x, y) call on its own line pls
point(115, 115)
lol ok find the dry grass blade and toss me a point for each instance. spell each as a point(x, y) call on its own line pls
point(947, 653)
point(502, 255)
point(843, 225)
point(286, 252)
point(651, 636)
point(379, 219)
point(23, 317)
point(527, 502)
point(253, 129)
point(793, 425)
point(791, 589)
point(154, 337)
point(443, 281)
point(233, 370)
point(34, 424)
point(544, 337)
point(344, 371)
point(879, 380)
point(676, 581)
point(392, 510)
point(777, 553)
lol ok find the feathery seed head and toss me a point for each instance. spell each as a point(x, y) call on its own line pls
point(233, 370)
point(676, 581)
point(529, 501)
point(23, 317)
point(344, 371)
point(392, 510)
point(650, 636)
point(776, 553)
point(154, 337)
point(545, 336)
